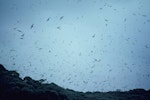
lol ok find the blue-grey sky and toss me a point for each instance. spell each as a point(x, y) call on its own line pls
point(85, 45)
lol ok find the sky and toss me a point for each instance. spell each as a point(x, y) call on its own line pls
point(84, 45)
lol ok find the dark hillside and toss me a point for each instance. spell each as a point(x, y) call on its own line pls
point(12, 87)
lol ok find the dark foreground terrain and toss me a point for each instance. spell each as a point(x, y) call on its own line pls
point(12, 87)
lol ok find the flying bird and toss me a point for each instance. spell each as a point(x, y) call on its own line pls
point(19, 30)
point(59, 28)
point(93, 36)
point(48, 19)
point(61, 17)
point(31, 26)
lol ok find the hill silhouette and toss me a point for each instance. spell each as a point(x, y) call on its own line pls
point(12, 87)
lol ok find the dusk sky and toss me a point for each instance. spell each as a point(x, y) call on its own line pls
point(84, 45)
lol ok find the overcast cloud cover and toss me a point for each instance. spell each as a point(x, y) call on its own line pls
point(85, 45)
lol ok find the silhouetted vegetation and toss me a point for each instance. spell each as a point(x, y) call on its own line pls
point(12, 87)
